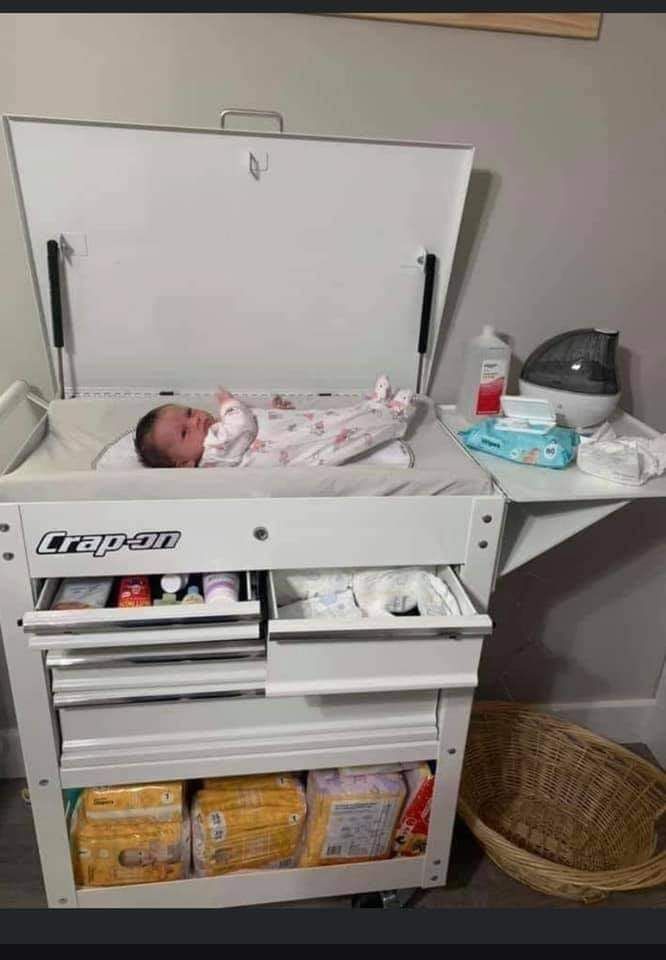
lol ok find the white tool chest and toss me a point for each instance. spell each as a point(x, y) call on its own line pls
point(271, 263)
point(276, 263)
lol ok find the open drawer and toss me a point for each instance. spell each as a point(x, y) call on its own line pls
point(328, 656)
point(139, 654)
point(133, 626)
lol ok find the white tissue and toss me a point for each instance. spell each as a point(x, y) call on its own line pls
point(627, 460)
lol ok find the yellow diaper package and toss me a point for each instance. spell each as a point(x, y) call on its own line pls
point(145, 801)
point(244, 823)
point(257, 789)
point(107, 853)
point(350, 818)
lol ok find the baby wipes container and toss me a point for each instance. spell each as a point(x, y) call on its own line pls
point(485, 374)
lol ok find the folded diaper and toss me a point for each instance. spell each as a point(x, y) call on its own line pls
point(339, 605)
point(401, 591)
point(627, 460)
point(554, 448)
point(292, 585)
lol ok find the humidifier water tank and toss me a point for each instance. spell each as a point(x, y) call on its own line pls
point(575, 371)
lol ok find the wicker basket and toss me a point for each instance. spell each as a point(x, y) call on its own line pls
point(559, 808)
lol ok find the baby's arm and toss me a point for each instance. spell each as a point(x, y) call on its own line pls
point(228, 439)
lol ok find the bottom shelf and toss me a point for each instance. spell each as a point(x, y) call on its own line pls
point(262, 886)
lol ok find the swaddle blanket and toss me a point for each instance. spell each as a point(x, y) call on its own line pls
point(631, 461)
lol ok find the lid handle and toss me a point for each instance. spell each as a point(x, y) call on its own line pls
point(238, 112)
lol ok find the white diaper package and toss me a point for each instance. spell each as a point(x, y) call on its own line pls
point(630, 461)
point(293, 585)
point(337, 605)
point(408, 589)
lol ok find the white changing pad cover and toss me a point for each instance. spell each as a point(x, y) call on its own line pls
point(122, 455)
point(80, 430)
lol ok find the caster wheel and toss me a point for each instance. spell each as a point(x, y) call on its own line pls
point(365, 900)
point(383, 899)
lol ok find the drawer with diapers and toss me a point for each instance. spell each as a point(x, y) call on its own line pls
point(338, 631)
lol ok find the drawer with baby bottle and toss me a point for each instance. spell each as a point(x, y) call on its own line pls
point(107, 652)
point(345, 631)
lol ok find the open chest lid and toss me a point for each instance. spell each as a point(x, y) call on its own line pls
point(192, 258)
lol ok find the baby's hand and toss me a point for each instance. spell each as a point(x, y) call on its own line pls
point(223, 396)
point(279, 403)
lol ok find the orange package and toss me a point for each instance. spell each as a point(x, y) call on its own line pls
point(412, 833)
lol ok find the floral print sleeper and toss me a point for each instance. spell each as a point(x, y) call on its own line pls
point(251, 436)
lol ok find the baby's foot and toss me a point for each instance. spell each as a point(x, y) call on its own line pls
point(382, 391)
point(223, 396)
point(401, 400)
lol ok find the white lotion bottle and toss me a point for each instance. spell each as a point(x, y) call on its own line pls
point(485, 376)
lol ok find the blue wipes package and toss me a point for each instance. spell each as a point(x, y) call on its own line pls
point(555, 447)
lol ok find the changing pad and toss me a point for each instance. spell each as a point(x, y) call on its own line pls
point(80, 429)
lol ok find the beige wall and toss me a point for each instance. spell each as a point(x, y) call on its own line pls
point(564, 226)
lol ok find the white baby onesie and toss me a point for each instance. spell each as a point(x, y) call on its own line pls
point(252, 436)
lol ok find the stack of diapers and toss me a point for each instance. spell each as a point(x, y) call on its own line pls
point(304, 594)
point(336, 605)
point(350, 817)
point(133, 834)
point(352, 594)
point(245, 823)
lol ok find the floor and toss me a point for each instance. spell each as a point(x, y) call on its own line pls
point(474, 881)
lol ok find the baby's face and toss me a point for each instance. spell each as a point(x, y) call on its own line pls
point(180, 431)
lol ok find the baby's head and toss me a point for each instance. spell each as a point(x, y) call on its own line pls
point(172, 436)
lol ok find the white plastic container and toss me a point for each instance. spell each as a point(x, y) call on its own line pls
point(174, 582)
point(221, 587)
point(485, 376)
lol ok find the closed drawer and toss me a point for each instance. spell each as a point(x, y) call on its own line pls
point(83, 686)
point(327, 656)
point(301, 731)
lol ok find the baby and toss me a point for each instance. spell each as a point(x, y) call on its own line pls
point(176, 436)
